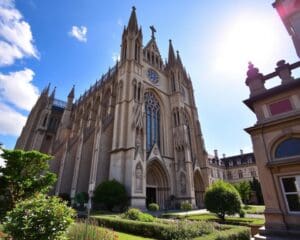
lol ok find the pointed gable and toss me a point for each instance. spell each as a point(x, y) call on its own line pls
point(152, 54)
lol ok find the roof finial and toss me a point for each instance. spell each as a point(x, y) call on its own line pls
point(153, 31)
point(133, 8)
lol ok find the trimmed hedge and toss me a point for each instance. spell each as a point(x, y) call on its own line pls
point(228, 233)
point(147, 229)
point(157, 230)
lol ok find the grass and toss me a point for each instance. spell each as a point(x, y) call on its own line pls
point(254, 209)
point(229, 220)
point(126, 236)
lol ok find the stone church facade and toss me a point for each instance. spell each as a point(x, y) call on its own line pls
point(137, 124)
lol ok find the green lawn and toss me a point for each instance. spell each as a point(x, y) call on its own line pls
point(254, 209)
point(125, 236)
point(229, 220)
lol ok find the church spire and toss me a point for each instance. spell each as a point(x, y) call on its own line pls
point(71, 94)
point(133, 24)
point(171, 57)
point(53, 94)
point(178, 58)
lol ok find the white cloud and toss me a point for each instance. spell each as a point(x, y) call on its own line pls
point(16, 39)
point(79, 33)
point(115, 57)
point(11, 122)
point(1, 159)
point(17, 88)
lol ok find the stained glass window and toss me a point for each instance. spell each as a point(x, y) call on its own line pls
point(152, 109)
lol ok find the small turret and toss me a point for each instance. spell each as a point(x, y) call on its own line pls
point(71, 98)
point(171, 56)
point(179, 59)
point(133, 24)
point(52, 96)
point(132, 38)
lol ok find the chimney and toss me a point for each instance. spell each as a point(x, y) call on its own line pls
point(216, 153)
point(241, 151)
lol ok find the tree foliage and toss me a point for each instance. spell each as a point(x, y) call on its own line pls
point(255, 186)
point(110, 194)
point(244, 190)
point(39, 217)
point(222, 198)
point(24, 174)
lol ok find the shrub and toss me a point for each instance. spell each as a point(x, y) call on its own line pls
point(80, 199)
point(145, 217)
point(137, 215)
point(90, 231)
point(242, 213)
point(146, 229)
point(185, 230)
point(65, 197)
point(186, 206)
point(222, 198)
point(111, 194)
point(153, 207)
point(132, 214)
point(39, 217)
point(24, 174)
point(228, 233)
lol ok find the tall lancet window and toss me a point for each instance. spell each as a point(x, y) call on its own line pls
point(152, 121)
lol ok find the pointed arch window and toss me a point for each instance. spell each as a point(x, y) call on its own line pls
point(152, 110)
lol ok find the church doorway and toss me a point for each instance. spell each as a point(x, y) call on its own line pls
point(150, 195)
point(199, 189)
point(157, 190)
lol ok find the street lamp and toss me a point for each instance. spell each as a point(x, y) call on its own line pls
point(289, 12)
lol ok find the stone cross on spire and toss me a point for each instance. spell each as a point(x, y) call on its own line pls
point(153, 30)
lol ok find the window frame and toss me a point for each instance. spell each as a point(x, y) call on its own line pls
point(284, 194)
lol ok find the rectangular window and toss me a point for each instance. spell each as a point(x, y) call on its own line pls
point(291, 191)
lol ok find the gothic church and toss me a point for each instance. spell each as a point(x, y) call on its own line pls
point(137, 124)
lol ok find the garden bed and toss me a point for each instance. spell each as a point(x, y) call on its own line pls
point(157, 228)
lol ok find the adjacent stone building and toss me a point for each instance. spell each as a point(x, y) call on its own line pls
point(232, 169)
point(276, 144)
point(137, 124)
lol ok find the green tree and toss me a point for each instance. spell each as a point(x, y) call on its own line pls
point(255, 186)
point(24, 174)
point(111, 194)
point(222, 198)
point(39, 217)
point(244, 190)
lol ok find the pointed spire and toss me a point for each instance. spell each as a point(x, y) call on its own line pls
point(178, 58)
point(53, 93)
point(171, 58)
point(132, 24)
point(47, 89)
point(71, 94)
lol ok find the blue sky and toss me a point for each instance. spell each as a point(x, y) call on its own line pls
point(75, 41)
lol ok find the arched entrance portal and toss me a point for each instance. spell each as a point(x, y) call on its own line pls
point(199, 189)
point(157, 190)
